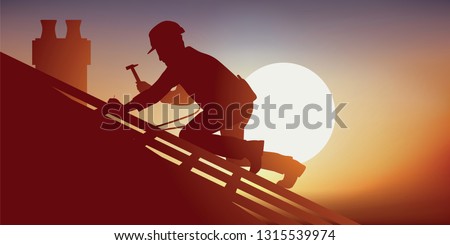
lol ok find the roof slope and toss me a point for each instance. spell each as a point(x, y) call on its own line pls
point(59, 167)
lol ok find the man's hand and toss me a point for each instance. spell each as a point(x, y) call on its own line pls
point(142, 86)
point(117, 105)
point(114, 100)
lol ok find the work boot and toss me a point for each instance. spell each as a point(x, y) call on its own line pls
point(291, 176)
point(255, 154)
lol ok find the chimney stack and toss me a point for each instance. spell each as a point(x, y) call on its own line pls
point(63, 58)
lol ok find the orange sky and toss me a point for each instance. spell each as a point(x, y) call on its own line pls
point(389, 62)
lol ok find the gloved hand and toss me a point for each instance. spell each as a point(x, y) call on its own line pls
point(117, 106)
point(142, 86)
point(114, 101)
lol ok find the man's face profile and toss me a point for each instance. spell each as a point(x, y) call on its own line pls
point(169, 50)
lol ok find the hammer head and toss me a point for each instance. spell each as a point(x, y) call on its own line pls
point(131, 66)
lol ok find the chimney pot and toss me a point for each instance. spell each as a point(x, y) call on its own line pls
point(73, 29)
point(48, 29)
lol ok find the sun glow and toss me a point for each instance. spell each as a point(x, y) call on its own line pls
point(293, 111)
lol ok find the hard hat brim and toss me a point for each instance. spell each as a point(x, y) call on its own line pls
point(151, 50)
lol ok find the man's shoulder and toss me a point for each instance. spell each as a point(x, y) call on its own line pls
point(194, 54)
point(192, 51)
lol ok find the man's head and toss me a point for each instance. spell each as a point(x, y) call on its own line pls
point(166, 39)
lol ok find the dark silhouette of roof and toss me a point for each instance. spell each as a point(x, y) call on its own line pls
point(59, 167)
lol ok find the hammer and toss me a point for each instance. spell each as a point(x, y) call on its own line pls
point(131, 67)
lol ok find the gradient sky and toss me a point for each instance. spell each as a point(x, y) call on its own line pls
point(390, 60)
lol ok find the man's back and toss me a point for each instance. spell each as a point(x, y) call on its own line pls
point(209, 81)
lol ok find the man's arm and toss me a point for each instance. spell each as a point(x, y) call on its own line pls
point(177, 96)
point(154, 94)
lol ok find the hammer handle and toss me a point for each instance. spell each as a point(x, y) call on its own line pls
point(136, 76)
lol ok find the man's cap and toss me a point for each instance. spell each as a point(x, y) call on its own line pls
point(162, 32)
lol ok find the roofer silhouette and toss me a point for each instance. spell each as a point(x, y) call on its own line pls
point(226, 99)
